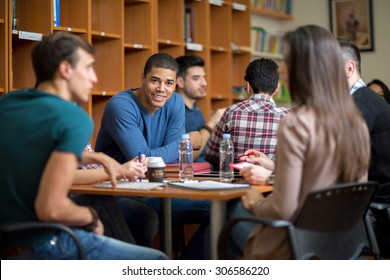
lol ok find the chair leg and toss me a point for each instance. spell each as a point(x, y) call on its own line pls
point(371, 235)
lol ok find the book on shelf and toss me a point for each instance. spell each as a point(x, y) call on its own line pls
point(189, 25)
point(199, 167)
point(239, 92)
point(56, 13)
point(279, 6)
point(263, 41)
point(14, 19)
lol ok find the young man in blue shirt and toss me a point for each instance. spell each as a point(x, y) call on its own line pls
point(150, 119)
point(191, 85)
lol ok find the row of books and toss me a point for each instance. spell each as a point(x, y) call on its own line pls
point(240, 93)
point(56, 13)
point(280, 6)
point(198, 167)
point(263, 41)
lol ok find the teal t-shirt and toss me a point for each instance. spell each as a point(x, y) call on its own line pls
point(33, 124)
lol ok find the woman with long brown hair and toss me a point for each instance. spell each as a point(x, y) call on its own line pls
point(322, 142)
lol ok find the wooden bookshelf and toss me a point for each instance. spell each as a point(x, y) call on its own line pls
point(125, 33)
point(269, 19)
point(271, 14)
point(241, 52)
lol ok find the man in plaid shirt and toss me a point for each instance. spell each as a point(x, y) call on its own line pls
point(252, 123)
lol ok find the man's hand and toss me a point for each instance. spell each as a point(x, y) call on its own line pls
point(99, 229)
point(113, 168)
point(196, 140)
point(215, 118)
point(136, 167)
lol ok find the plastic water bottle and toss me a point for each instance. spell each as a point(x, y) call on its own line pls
point(226, 159)
point(186, 172)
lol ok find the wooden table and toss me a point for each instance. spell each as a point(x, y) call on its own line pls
point(218, 206)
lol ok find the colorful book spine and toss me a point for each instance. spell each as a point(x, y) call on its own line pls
point(280, 6)
point(56, 13)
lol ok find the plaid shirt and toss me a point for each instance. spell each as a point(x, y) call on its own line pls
point(253, 124)
point(91, 165)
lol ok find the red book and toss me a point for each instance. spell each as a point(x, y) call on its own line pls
point(199, 167)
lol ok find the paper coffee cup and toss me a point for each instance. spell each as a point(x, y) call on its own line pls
point(156, 169)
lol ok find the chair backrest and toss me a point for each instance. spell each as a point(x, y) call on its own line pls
point(331, 223)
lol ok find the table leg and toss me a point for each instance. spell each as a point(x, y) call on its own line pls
point(166, 232)
point(217, 218)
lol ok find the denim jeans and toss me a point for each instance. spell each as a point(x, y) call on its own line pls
point(240, 232)
point(96, 247)
point(141, 219)
point(184, 211)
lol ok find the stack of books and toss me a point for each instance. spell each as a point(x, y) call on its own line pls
point(199, 168)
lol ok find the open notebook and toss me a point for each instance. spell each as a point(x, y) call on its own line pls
point(144, 185)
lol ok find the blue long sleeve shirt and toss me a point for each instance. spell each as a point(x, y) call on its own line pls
point(128, 128)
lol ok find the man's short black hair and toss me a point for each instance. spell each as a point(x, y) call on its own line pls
point(188, 61)
point(262, 75)
point(161, 60)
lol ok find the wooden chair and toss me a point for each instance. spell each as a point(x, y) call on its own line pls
point(331, 224)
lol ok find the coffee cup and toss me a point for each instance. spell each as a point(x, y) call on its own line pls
point(156, 169)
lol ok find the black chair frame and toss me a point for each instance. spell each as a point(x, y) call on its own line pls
point(332, 224)
point(12, 228)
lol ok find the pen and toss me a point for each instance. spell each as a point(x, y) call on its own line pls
point(249, 154)
point(139, 159)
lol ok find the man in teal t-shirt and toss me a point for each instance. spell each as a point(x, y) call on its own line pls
point(43, 137)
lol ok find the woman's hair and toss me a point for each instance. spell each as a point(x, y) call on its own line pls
point(317, 81)
point(385, 89)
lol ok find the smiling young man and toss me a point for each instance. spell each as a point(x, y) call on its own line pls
point(150, 119)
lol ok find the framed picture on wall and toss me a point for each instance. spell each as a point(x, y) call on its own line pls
point(352, 20)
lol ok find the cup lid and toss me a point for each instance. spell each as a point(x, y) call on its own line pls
point(156, 162)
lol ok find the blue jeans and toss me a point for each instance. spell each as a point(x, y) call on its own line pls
point(240, 232)
point(141, 219)
point(96, 247)
point(184, 211)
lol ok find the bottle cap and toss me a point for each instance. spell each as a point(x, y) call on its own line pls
point(226, 136)
point(185, 136)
